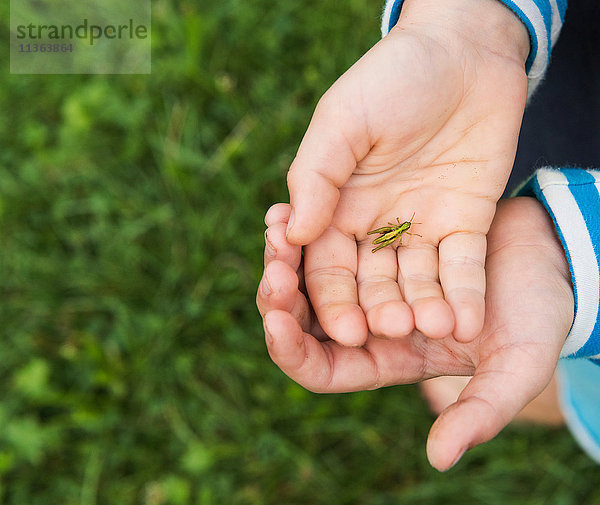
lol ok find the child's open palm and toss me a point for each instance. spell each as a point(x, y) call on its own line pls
point(427, 123)
point(529, 310)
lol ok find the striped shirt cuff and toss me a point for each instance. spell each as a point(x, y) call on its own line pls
point(543, 19)
point(572, 197)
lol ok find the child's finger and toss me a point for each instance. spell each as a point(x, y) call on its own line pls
point(379, 294)
point(319, 367)
point(282, 286)
point(462, 275)
point(418, 278)
point(332, 368)
point(278, 213)
point(330, 265)
point(336, 138)
point(278, 248)
point(278, 290)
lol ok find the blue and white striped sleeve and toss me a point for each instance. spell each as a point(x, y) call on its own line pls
point(572, 198)
point(543, 19)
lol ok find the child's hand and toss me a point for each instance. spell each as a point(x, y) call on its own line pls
point(529, 310)
point(426, 122)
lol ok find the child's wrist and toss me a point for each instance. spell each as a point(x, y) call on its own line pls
point(485, 23)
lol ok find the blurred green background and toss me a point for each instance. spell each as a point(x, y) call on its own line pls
point(132, 364)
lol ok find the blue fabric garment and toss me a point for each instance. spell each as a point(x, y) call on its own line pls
point(572, 198)
point(579, 395)
point(560, 128)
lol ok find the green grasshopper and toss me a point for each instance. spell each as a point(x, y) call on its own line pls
point(391, 233)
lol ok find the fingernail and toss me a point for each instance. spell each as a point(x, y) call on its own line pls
point(457, 459)
point(290, 222)
point(269, 249)
point(265, 287)
point(268, 337)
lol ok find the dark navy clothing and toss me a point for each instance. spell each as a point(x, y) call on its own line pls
point(561, 126)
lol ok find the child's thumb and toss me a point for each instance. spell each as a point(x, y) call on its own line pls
point(334, 142)
point(488, 403)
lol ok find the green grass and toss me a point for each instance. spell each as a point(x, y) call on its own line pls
point(132, 364)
